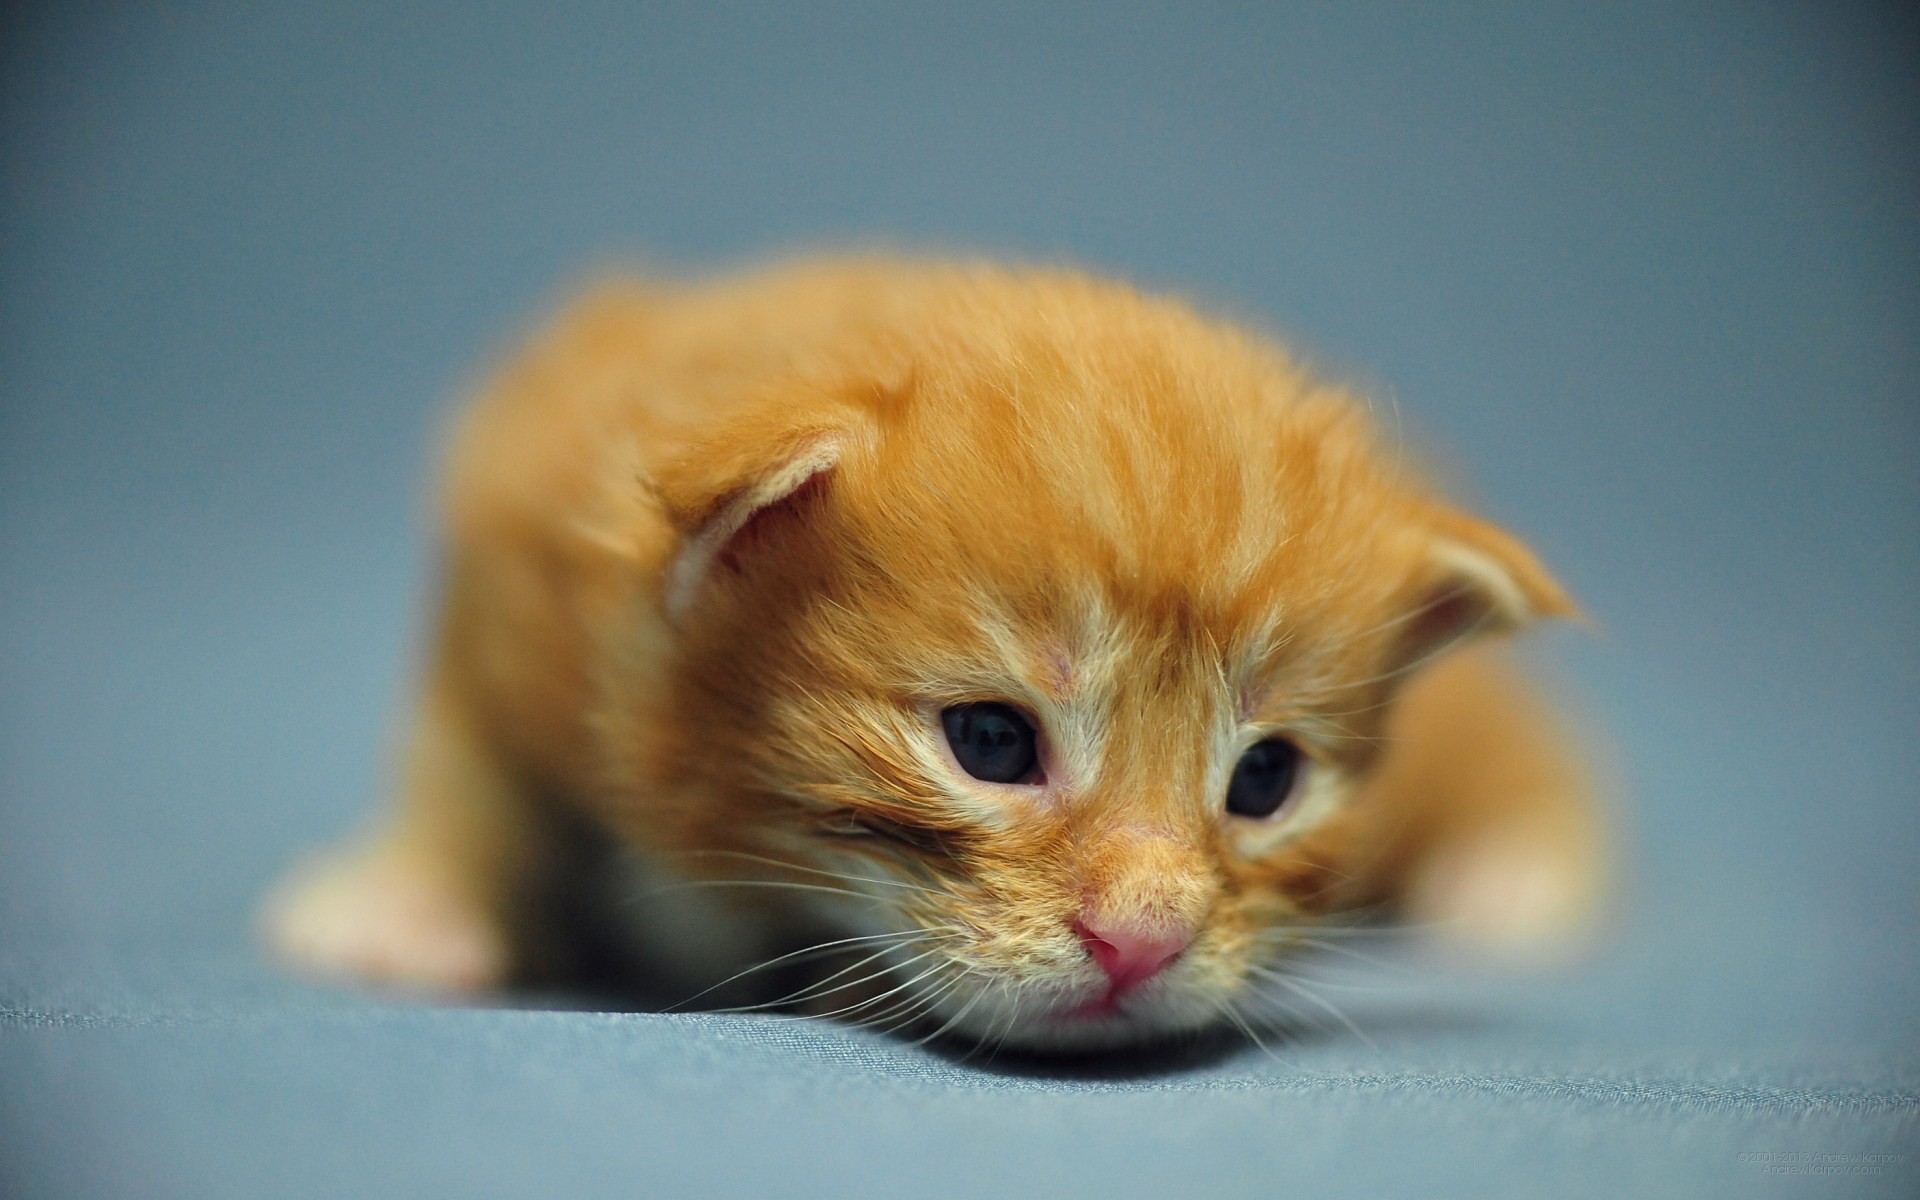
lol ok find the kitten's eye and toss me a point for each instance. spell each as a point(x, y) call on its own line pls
point(1263, 778)
point(992, 742)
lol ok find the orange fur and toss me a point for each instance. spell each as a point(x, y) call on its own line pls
point(719, 555)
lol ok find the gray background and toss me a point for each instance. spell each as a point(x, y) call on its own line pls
point(1648, 276)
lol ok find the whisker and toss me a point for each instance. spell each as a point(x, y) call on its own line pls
point(790, 866)
point(929, 1001)
point(1004, 1030)
point(1390, 928)
point(820, 988)
point(1372, 960)
point(900, 1013)
point(919, 999)
point(1328, 946)
point(1233, 1014)
point(935, 969)
point(814, 990)
point(777, 885)
point(1322, 1003)
point(959, 1016)
point(821, 948)
point(1295, 932)
point(1338, 985)
point(1013, 1023)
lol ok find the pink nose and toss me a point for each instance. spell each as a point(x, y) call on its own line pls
point(1128, 954)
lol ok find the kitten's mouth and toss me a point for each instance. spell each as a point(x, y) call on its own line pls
point(1105, 1005)
point(1074, 1018)
point(1109, 1019)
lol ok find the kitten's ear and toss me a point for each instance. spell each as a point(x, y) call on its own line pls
point(729, 482)
point(1476, 580)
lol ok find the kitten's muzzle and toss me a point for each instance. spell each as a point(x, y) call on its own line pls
point(1129, 955)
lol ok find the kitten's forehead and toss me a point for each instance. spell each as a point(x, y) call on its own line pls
point(1176, 481)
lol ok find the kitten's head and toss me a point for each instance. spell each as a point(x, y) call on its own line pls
point(1056, 625)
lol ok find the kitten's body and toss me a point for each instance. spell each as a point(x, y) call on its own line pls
point(719, 558)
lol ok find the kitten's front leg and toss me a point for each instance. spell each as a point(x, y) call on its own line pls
point(441, 897)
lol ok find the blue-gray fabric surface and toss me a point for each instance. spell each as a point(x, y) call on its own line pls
point(1649, 276)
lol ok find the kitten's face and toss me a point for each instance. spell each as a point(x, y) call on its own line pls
point(1068, 666)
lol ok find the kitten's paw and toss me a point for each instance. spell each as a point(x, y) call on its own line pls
point(1511, 892)
point(382, 916)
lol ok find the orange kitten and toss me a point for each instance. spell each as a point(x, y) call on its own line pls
point(1065, 651)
